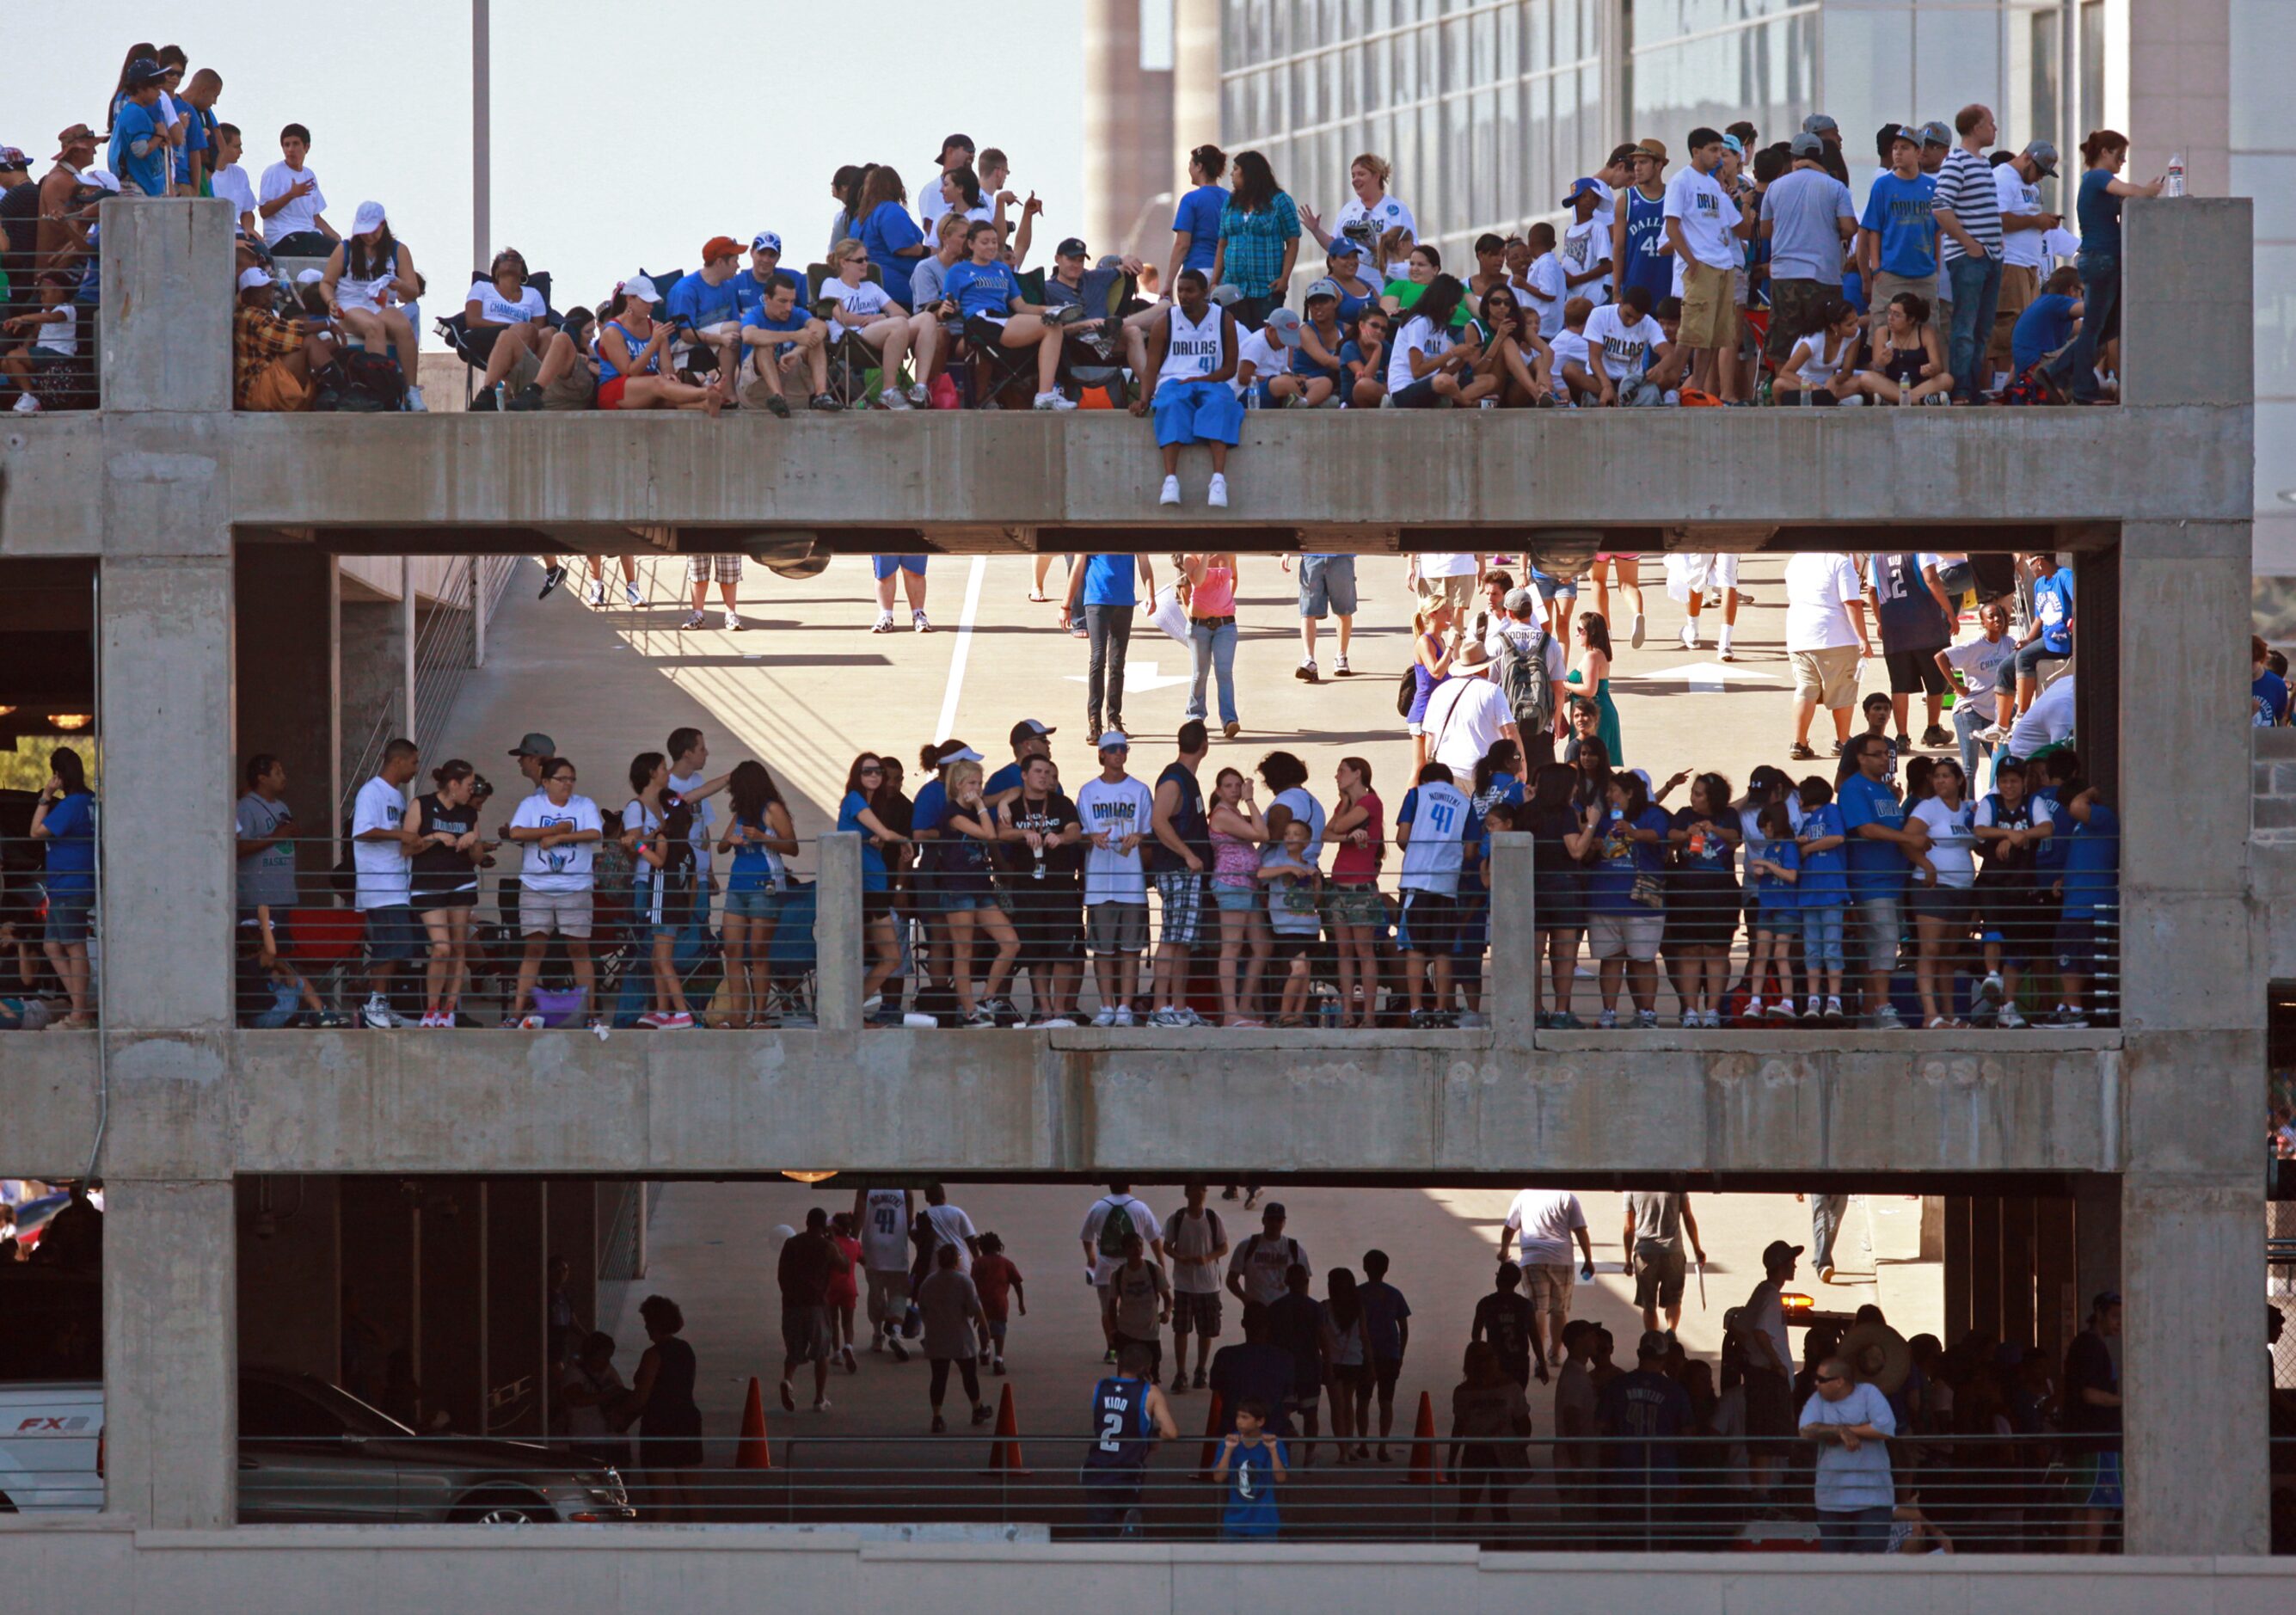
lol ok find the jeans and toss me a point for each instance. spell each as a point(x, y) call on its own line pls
point(1212, 651)
point(1976, 298)
point(1853, 1531)
point(2099, 273)
point(1825, 1213)
point(1821, 938)
point(1109, 627)
point(1970, 713)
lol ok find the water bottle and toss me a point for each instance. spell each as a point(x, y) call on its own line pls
point(2176, 182)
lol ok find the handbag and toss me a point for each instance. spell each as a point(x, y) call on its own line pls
point(1648, 890)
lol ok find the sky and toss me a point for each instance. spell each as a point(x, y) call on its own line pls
point(589, 183)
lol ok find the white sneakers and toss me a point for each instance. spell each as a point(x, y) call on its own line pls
point(892, 397)
point(414, 404)
point(1171, 496)
point(630, 593)
point(1638, 639)
point(1053, 400)
point(1217, 495)
point(920, 622)
point(595, 594)
point(883, 625)
point(26, 405)
point(1690, 636)
point(1729, 652)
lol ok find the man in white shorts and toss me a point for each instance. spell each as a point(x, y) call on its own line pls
point(883, 1216)
point(559, 833)
point(1545, 1221)
point(1112, 1217)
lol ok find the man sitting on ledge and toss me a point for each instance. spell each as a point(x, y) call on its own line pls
point(274, 359)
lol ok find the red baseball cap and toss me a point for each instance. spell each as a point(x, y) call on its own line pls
point(720, 246)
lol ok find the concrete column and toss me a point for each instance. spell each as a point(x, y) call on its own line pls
point(1127, 125)
point(1513, 984)
point(167, 871)
point(837, 933)
point(167, 293)
point(2017, 1224)
point(1196, 81)
point(2180, 91)
point(1958, 1236)
point(171, 1397)
point(374, 646)
point(287, 685)
point(2187, 331)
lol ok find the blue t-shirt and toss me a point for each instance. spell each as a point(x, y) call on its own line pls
point(925, 814)
point(873, 861)
point(1250, 1512)
point(1199, 214)
point(1716, 856)
point(982, 288)
point(1007, 778)
point(196, 138)
point(1877, 869)
point(1824, 875)
point(71, 825)
point(1618, 860)
point(754, 868)
point(2098, 212)
point(1903, 213)
point(1384, 1309)
point(2049, 857)
point(2093, 863)
point(749, 295)
point(2053, 608)
point(794, 320)
point(886, 232)
point(2270, 691)
point(148, 173)
point(1771, 891)
point(702, 303)
point(1108, 580)
point(2045, 325)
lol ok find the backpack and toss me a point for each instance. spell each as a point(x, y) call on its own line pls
point(1523, 677)
point(372, 382)
point(2033, 385)
point(1115, 1229)
point(1408, 691)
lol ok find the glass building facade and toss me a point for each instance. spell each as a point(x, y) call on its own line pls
point(1489, 109)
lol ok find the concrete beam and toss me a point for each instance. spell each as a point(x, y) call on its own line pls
point(167, 305)
point(171, 1395)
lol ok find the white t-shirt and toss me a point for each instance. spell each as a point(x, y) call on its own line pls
point(1822, 357)
point(496, 309)
point(2048, 721)
point(1584, 246)
point(1626, 348)
point(1953, 850)
point(1443, 563)
point(1385, 215)
point(954, 1227)
point(1463, 718)
point(1545, 292)
point(1543, 1220)
point(302, 213)
point(1978, 661)
point(1607, 213)
point(1261, 1262)
point(858, 303)
point(382, 865)
point(1764, 1315)
point(1144, 1224)
point(231, 183)
point(567, 866)
point(1119, 810)
point(1820, 584)
point(1570, 347)
point(1418, 331)
point(1300, 803)
point(1709, 216)
point(1266, 356)
point(1984, 819)
point(2012, 194)
point(705, 820)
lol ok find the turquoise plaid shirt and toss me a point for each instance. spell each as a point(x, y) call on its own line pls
point(1255, 243)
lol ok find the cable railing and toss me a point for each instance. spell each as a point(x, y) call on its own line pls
point(447, 643)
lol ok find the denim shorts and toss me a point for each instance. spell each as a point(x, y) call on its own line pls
point(1821, 936)
point(761, 903)
point(68, 916)
point(394, 936)
point(1327, 584)
point(1235, 899)
point(964, 902)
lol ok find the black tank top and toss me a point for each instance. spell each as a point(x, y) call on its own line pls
point(440, 869)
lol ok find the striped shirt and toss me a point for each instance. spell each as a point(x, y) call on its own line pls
point(1966, 185)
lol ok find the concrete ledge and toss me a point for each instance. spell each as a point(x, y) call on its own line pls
point(408, 481)
point(1410, 1105)
point(701, 1569)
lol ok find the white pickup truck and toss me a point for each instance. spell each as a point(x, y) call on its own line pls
point(51, 1446)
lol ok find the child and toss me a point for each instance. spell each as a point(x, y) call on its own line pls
point(1251, 1464)
point(1294, 891)
point(1879, 709)
point(1824, 891)
point(844, 1289)
point(999, 1284)
point(1364, 360)
point(1434, 827)
point(1775, 866)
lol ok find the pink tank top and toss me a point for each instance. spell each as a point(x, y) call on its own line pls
point(1214, 596)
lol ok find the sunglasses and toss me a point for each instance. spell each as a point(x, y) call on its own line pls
point(866, 772)
point(1833, 1379)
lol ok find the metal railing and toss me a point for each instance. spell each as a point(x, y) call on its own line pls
point(447, 641)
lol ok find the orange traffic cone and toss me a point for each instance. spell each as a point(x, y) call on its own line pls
point(1005, 1444)
point(1426, 1458)
point(753, 1451)
point(1213, 1414)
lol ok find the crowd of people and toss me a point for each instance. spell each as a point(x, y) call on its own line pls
point(1739, 271)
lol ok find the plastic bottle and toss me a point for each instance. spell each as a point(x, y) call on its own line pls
point(2175, 182)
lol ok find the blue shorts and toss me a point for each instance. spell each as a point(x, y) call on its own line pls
point(1420, 394)
point(1196, 411)
point(759, 903)
point(1235, 899)
point(883, 567)
point(394, 936)
point(1550, 587)
point(1327, 584)
point(68, 916)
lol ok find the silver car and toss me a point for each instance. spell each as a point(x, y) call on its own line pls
point(310, 1452)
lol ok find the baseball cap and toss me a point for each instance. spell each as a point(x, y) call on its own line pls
point(955, 142)
point(1275, 1208)
point(1581, 187)
point(1654, 1344)
point(1071, 248)
point(250, 279)
point(1226, 294)
point(1807, 144)
point(309, 277)
point(765, 240)
point(1732, 143)
point(143, 71)
point(1777, 1251)
point(1651, 148)
point(536, 743)
point(638, 286)
point(1906, 133)
point(11, 158)
point(1344, 245)
point(720, 246)
point(369, 216)
point(1818, 123)
point(1114, 740)
point(1283, 326)
point(963, 754)
point(2044, 156)
point(1935, 134)
point(78, 132)
point(2103, 1298)
point(1326, 287)
point(1028, 726)
point(1520, 600)
point(98, 179)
